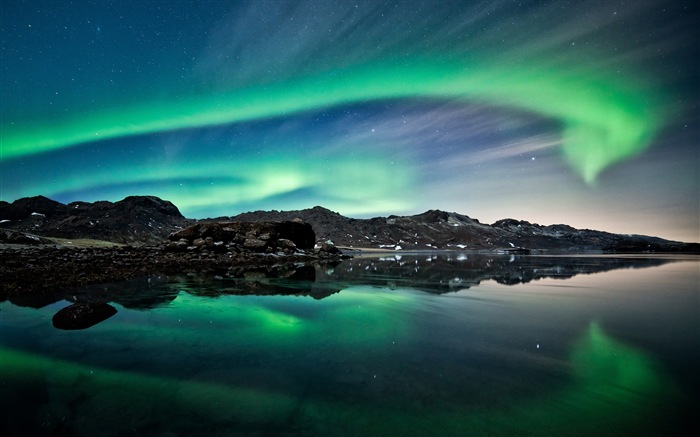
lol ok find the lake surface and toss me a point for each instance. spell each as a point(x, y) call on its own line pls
point(428, 344)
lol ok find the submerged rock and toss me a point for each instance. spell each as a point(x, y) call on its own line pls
point(82, 315)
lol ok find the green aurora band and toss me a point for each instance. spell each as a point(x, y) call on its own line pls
point(605, 117)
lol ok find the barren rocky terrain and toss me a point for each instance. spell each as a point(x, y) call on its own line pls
point(46, 245)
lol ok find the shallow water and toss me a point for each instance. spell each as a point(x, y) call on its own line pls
point(433, 344)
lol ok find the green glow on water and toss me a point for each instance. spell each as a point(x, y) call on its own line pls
point(611, 368)
point(605, 117)
point(115, 402)
point(357, 317)
point(613, 387)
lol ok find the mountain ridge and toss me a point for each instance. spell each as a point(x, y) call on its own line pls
point(436, 229)
point(149, 220)
point(132, 220)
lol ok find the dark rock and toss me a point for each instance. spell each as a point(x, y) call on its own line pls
point(329, 248)
point(284, 243)
point(188, 234)
point(82, 315)
point(301, 234)
point(254, 243)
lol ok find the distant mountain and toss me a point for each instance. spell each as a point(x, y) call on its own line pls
point(136, 219)
point(436, 229)
point(147, 219)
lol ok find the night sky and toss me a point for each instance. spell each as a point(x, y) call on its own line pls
point(583, 112)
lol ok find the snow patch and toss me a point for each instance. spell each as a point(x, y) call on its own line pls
point(39, 214)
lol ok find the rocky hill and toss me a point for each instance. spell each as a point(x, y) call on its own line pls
point(136, 219)
point(149, 220)
point(447, 230)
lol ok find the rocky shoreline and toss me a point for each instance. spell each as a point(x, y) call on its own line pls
point(226, 249)
point(42, 269)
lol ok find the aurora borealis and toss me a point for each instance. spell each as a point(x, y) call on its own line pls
point(582, 113)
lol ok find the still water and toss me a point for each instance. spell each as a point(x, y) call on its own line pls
point(429, 344)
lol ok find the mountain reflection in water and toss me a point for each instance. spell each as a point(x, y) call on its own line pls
point(392, 345)
point(430, 272)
